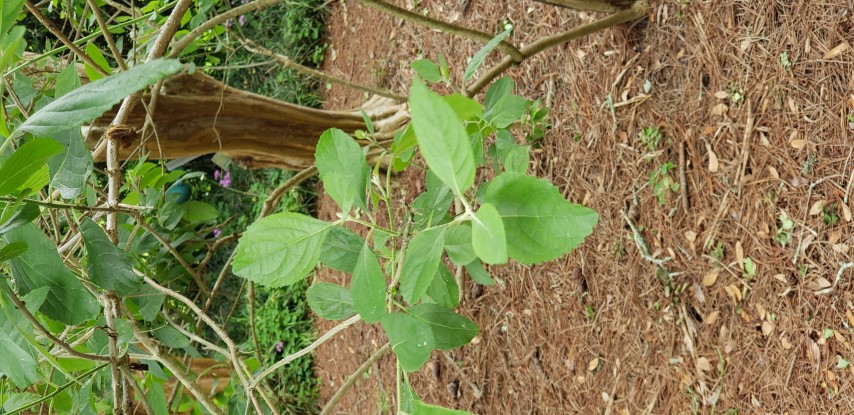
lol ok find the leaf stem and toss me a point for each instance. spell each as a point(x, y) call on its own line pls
point(59, 390)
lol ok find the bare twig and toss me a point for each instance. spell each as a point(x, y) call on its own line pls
point(51, 26)
point(105, 31)
point(641, 242)
point(196, 277)
point(351, 380)
point(126, 209)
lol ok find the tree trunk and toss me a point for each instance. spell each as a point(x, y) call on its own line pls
point(196, 115)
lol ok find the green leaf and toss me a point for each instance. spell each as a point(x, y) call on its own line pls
point(280, 249)
point(20, 401)
point(431, 207)
point(342, 168)
point(411, 340)
point(500, 89)
point(93, 99)
point(12, 250)
point(97, 57)
point(517, 160)
point(25, 162)
point(368, 286)
point(110, 267)
point(540, 225)
point(488, 238)
point(12, 45)
point(422, 408)
point(196, 212)
point(421, 263)
point(11, 10)
point(40, 266)
point(148, 302)
point(157, 397)
point(443, 140)
point(17, 363)
point(506, 111)
point(66, 81)
point(330, 301)
point(71, 168)
point(465, 107)
point(341, 249)
point(443, 289)
point(479, 57)
point(450, 330)
point(25, 215)
point(171, 337)
point(427, 70)
point(458, 244)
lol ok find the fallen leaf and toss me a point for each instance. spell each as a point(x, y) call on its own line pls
point(739, 255)
point(817, 208)
point(745, 44)
point(733, 292)
point(691, 236)
point(838, 50)
point(798, 144)
point(712, 318)
point(814, 353)
point(822, 283)
point(710, 278)
point(721, 95)
point(720, 109)
point(767, 328)
point(850, 317)
point(703, 365)
point(782, 278)
point(784, 341)
point(773, 172)
point(714, 165)
point(846, 212)
point(593, 364)
point(760, 309)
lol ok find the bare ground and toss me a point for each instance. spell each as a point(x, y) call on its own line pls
point(597, 331)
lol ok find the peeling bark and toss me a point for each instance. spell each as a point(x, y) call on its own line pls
point(196, 115)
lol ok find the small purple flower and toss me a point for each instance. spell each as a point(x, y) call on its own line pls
point(217, 233)
point(280, 347)
point(225, 181)
point(242, 20)
point(216, 174)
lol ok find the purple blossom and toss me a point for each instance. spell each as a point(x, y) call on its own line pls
point(280, 347)
point(217, 233)
point(216, 174)
point(242, 20)
point(225, 181)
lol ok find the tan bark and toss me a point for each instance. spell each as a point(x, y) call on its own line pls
point(196, 115)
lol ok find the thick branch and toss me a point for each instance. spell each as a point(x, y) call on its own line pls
point(591, 5)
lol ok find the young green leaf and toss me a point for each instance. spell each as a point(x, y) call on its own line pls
point(330, 301)
point(99, 59)
point(66, 81)
point(431, 207)
point(342, 169)
point(517, 160)
point(427, 70)
point(110, 267)
point(341, 249)
point(488, 238)
point(70, 169)
point(40, 266)
point(411, 340)
point(368, 286)
point(450, 330)
point(17, 363)
point(421, 263)
point(479, 57)
point(465, 107)
point(500, 89)
point(280, 249)
point(540, 225)
point(25, 215)
point(11, 9)
point(93, 99)
point(443, 289)
point(478, 273)
point(506, 111)
point(171, 337)
point(458, 244)
point(12, 250)
point(422, 408)
point(443, 140)
point(196, 212)
point(25, 162)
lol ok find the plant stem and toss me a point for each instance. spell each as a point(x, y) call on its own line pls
point(107, 36)
point(59, 390)
point(513, 53)
point(288, 63)
point(52, 28)
point(585, 5)
point(351, 380)
point(308, 349)
point(637, 10)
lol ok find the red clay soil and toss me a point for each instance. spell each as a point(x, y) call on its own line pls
point(752, 99)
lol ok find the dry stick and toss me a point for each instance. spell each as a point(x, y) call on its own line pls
point(109, 301)
point(130, 210)
point(185, 41)
point(351, 380)
point(584, 5)
point(51, 26)
point(45, 332)
point(745, 145)
point(683, 181)
point(637, 10)
point(176, 371)
point(250, 298)
point(105, 31)
point(196, 277)
point(288, 63)
point(322, 339)
point(514, 54)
